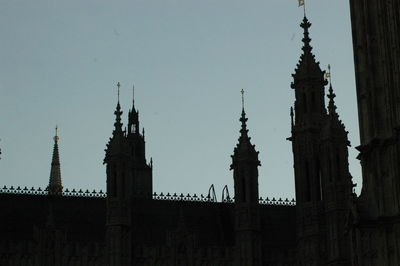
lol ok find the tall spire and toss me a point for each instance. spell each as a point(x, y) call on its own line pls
point(244, 150)
point(243, 119)
point(118, 113)
point(55, 184)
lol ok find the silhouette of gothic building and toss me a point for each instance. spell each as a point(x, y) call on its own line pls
point(327, 225)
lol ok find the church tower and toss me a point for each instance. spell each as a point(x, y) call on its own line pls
point(247, 218)
point(309, 111)
point(322, 179)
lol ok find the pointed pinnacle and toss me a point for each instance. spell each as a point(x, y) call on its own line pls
point(55, 184)
point(242, 92)
point(118, 113)
point(118, 86)
point(243, 129)
point(331, 95)
point(331, 106)
point(306, 39)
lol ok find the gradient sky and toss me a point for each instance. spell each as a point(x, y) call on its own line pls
point(60, 62)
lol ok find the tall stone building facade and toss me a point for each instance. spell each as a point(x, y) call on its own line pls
point(327, 225)
point(375, 230)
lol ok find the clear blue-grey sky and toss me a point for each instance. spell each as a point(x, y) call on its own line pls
point(189, 59)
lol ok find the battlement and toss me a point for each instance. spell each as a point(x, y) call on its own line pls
point(169, 197)
point(44, 192)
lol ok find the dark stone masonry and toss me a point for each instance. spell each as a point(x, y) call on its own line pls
point(328, 224)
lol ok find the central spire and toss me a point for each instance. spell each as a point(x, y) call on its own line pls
point(306, 39)
point(309, 85)
point(55, 184)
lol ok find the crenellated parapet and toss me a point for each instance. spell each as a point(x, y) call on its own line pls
point(156, 196)
point(182, 197)
point(277, 202)
point(44, 192)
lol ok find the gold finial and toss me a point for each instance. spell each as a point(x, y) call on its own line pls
point(303, 3)
point(118, 86)
point(56, 138)
point(242, 92)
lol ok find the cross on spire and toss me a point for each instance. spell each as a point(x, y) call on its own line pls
point(118, 86)
point(242, 92)
point(56, 138)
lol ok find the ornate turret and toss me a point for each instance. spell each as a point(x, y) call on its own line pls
point(117, 157)
point(247, 219)
point(336, 182)
point(135, 138)
point(307, 66)
point(244, 163)
point(141, 171)
point(119, 190)
point(309, 116)
point(55, 184)
point(308, 83)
